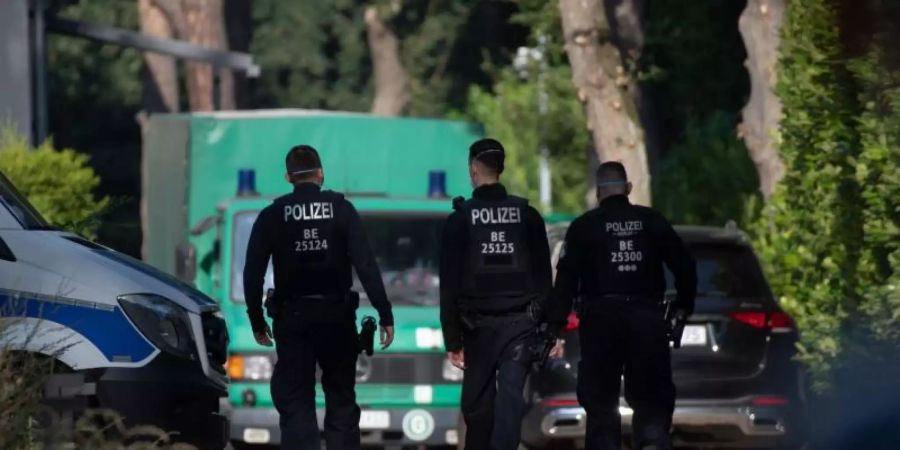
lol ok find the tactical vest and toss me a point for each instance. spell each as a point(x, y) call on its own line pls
point(497, 258)
point(628, 254)
point(310, 243)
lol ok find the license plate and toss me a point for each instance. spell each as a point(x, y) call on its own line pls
point(257, 436)
point(374, 420)
point(694, 335)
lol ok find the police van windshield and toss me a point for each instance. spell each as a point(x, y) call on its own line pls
point(406, 246)
point(19, 207)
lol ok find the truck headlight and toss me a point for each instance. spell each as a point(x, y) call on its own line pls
point(451, 372)
point(250, 367)
point(163, 322)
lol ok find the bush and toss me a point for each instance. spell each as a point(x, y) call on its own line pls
point(21, 383)
point(877, 171)
point(830, 236)
point(59, 184)
point(708, 178)
point(808, 233)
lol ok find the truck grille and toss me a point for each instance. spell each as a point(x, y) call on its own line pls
point(215, 335)
point(401, 368)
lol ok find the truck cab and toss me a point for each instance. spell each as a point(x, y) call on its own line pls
point(409, 394)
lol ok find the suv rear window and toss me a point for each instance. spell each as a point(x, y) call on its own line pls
point(726, 270)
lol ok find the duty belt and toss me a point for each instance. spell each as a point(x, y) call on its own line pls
point(589, 301)
point(628, 298)
point(474, 318)
point(301, 301)
point(314, 304)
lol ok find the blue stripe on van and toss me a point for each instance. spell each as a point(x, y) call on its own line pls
point(107, 328)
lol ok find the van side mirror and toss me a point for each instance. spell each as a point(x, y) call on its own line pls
point(186, 262)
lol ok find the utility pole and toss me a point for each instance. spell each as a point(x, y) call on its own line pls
point(525, 61)
point(544, 161)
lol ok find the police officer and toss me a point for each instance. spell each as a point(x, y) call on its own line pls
point(313, 237)
point(495, 263)
point(613, 259)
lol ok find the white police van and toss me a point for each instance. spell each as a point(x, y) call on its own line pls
point(126, 336)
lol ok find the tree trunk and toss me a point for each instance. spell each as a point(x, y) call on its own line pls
point(602, 85)
point(160, 73)
point(626, 20)
point(204, 26)
point(391, 81)
point(226, 76)
point(759, 25)
point(239, 33)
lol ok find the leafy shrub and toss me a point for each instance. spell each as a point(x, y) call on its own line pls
point(21, 383)
point(59, 184)
point(708, 178)
point(829, 236)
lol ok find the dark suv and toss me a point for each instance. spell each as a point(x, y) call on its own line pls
point(738, 385)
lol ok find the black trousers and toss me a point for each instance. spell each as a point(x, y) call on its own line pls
point(630, 339)
point(301, 344)
point(493, 404)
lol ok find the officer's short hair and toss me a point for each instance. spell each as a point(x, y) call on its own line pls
point(611, 171)
point(301, 162)
point(488, 152)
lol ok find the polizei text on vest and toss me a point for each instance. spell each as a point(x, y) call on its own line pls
point(309, 211)
point(498, 215)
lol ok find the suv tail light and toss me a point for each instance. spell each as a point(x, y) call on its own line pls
point(572, 322)
point(769, 400)
point(560, 401)
point(777, 321)
point(780, 321)
point(754, 319)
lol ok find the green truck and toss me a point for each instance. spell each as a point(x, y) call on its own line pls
point(398, 172)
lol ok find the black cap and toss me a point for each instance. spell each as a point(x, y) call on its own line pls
point(489, 152)
point(302, 159)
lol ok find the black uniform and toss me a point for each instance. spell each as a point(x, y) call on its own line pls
point(495, 262)
point(313, 237)
point(613, 258)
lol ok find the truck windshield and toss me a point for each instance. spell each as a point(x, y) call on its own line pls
point(19, 207)
point(406, 247)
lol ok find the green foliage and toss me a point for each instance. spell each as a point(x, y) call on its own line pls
point(877, 171)
point(313, 54)
point(429, 33)
point(316, 54)
point(95, 91)
point(829, 235)
point(703, 175)
point(708, 177)
point(510, 114)
point(693, 63)
point(101, 79)
point(59, 184)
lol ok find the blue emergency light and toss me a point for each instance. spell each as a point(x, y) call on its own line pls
point(437, 184)
point(246, 183)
